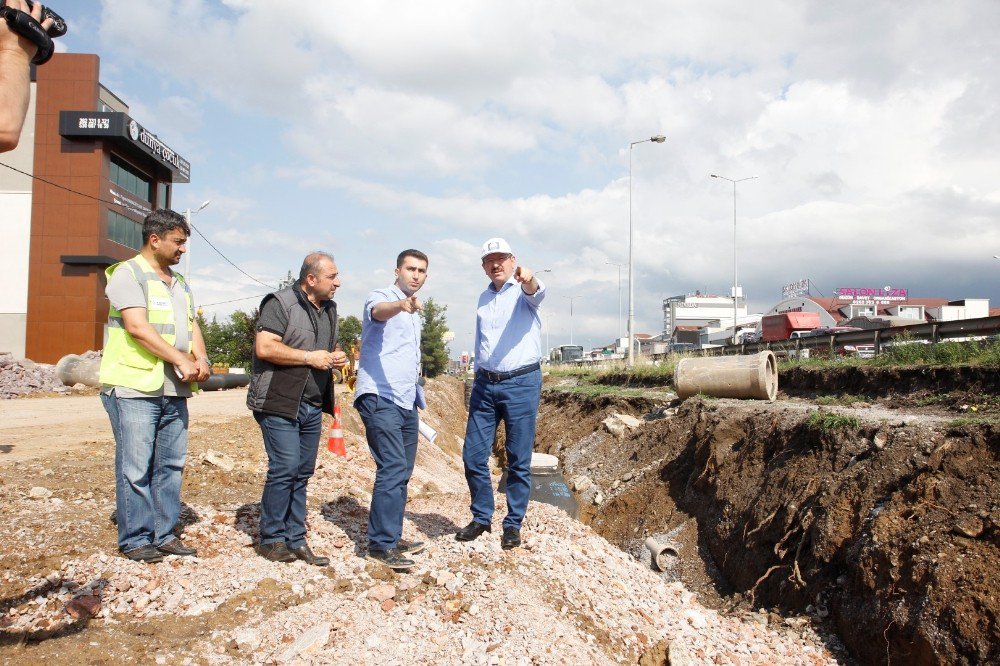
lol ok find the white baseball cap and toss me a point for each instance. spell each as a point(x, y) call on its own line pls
point(495, 246)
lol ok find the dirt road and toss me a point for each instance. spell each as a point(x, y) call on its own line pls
point(34, 427)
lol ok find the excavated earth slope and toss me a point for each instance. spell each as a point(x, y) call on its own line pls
point(882, 524)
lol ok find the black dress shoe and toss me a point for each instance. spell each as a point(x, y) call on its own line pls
point(391, 558)
point(276, 552)
point(147, 553)
point(511, 538)
point(411, 547)
point(175, 547)
point(306, 555)
point(472, 531)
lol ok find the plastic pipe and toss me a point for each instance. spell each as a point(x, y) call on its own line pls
point(662, 554)
point(754, 376)
point(428, 432)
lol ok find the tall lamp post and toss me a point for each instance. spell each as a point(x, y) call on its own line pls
point(619, 266)
point(659, 138)
point(188, 214)
point(571, 298)
point(735, 274)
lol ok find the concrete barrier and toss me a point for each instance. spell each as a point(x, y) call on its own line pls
point(753, 376)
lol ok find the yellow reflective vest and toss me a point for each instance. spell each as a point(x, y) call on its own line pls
point(127, 363)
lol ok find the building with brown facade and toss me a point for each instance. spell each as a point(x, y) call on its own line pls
point(97, 174)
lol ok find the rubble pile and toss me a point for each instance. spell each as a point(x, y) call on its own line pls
point(21, 377)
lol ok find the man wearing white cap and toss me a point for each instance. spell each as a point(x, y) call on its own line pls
point(508, 386)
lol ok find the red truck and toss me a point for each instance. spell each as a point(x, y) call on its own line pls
point(776, 327)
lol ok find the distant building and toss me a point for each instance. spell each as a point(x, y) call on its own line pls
point(838, 310)
point(683, 313)
point(98, 173)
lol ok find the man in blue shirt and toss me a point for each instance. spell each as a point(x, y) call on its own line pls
point(508, 386)
point(388, 394)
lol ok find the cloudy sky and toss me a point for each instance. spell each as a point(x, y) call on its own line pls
point(365, 128)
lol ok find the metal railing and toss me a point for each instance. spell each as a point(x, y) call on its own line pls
point(932, 332)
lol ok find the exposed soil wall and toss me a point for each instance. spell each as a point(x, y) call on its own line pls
point(889, 530)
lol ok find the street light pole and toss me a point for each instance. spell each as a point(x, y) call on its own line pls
point(188, 214)
point(659, 138)
point(571, 298)
point(735, 274)
point(619, 266)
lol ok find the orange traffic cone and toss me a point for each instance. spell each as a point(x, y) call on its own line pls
point(335, 441)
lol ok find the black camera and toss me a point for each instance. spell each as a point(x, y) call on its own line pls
point(26, 26)
point(58, 27)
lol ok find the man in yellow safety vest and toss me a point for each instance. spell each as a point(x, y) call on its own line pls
point(154, 355)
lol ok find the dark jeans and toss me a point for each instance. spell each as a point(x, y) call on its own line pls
point(515, 401)
point(291, 447)
point(392, 440)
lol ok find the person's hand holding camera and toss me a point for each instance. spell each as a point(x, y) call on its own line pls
point(28, 29)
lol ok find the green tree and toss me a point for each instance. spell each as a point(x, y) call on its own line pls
point(231, 342)
point(348, 332)
point(433, 353)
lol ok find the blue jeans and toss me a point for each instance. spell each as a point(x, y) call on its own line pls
point(392, 440)
point(150, 449)
point(515, 401)
point(291, 446)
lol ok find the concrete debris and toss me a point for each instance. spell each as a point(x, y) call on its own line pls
point(617, 424)
point(220, 460)
point(614, 426)
point(23, 377)
point(630, 421)
point(307, 643)
point(581, 484)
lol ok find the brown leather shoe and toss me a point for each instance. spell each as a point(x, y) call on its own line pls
point(306, 555)
point(276, 552)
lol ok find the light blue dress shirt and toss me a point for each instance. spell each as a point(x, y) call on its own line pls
point(390, 353)
point(508, 328)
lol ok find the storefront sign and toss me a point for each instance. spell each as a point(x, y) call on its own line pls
point(121, 128)
point(799, 288)
point(878, 295)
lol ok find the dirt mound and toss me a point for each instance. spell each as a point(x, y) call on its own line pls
point(890, 530)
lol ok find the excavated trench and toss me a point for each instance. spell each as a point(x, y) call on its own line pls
point(879, 521)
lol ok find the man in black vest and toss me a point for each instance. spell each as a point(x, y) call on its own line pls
point(291, 388)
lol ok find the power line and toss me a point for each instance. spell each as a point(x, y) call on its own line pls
point(234, 300)
point(113, 203)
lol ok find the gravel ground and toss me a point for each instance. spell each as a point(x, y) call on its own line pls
point(567, 596)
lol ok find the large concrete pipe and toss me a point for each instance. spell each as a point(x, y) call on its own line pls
point(75, 369)
point(728, 376)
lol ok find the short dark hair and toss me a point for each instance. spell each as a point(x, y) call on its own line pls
point(161, 221)
point(416, 254)
point(310, 265)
